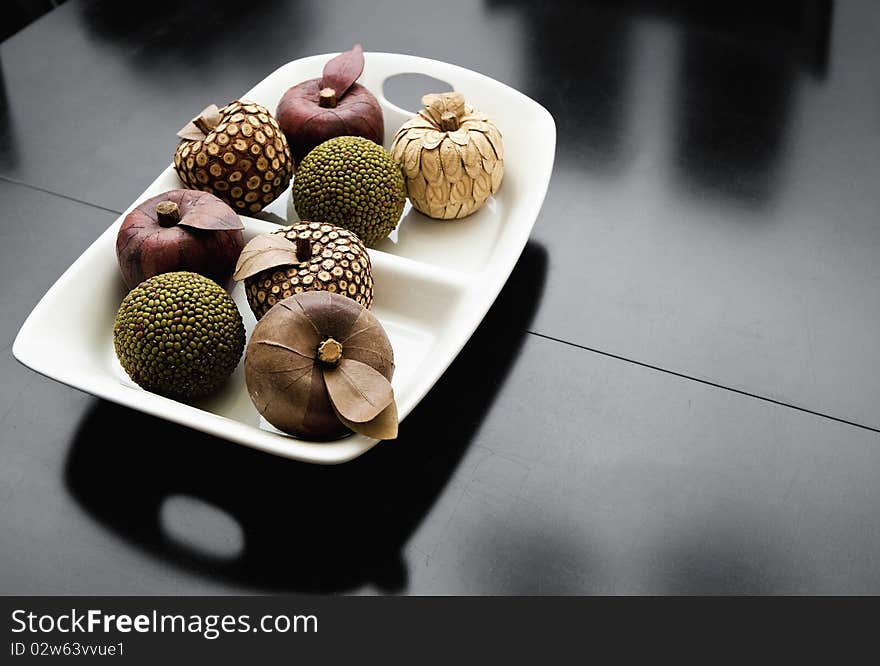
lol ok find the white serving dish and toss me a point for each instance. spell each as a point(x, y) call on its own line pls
point(434, 281)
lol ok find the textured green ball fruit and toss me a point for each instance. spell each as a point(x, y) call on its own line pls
point(351, 182)
point(178, 334)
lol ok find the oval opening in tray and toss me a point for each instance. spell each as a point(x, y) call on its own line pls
point(405, 91)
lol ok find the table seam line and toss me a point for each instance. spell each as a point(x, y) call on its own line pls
point(706, 382)
point(44, 190)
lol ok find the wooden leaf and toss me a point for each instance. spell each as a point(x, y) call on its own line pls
point(461, 191)
point(280, 367)
point(208, 213)
point(438, 193)
point(411, 156)
point(290, 329)
point(264, 252)
point(384, 426)
point(397, 136)
point(497, 175)
point(473, 161)
point(207, 222)
point(367, 343)
point(460, 137)
point(398, 146)
point(436, 208)
point(210, 115)
point(474, 120)
point(418, 132)
point(198, 128)
point(286, 390)
point(483, 145)
point(416, 186)
point(358, 392)
point(427, 120)
point(343, 70)
point(451, 161)
point(482, 186)
point(331, 314)
point(191, 132)
point(494, 137)
point(419, 121)
point(453, 210)
point(474, 125)
point(432, 139)
point(431, 167)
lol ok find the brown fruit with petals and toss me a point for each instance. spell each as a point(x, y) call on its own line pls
point(318, 365)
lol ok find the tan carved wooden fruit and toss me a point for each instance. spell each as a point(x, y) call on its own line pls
point(451, 155)
point(237, 153)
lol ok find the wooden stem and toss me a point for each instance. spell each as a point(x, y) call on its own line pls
point(204, 125)
point(329, 351)
point(448, 122)
point(167, 213)
point(327, 98)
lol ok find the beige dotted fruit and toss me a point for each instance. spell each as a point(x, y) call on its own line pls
point(237, 153)
point(309, 256)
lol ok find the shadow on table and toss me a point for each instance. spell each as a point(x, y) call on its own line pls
point(197, 34)
point(303, 527)
point(8, 145)
point(578, 63)
point(726, 553)
point(737, 92)
point(728, 109)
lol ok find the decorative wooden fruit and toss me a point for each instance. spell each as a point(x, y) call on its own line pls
point(180, 230)
point(309, 256)
point(318, 365)
point(351, 182)
point(452, 157)
point(334, 105)
point(237, 153)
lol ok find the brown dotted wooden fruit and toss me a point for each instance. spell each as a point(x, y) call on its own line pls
point(237, 153)
point(451, 155)
point(309, 256)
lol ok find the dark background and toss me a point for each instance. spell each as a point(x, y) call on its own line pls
point(681, 389)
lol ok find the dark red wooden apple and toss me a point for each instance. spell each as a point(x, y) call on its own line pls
point(334, 105)
point(180, 230)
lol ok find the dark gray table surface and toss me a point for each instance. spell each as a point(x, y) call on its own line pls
point(682, 390)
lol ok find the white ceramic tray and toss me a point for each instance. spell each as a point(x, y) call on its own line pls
point(434, 281)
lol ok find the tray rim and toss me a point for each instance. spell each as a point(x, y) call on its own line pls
point(477, 300)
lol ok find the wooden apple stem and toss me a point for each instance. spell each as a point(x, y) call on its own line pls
point(327, 98)
point(330, 351)
point(448, 122)
point(204, 125)
point(303, 249)
point(167, 213)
